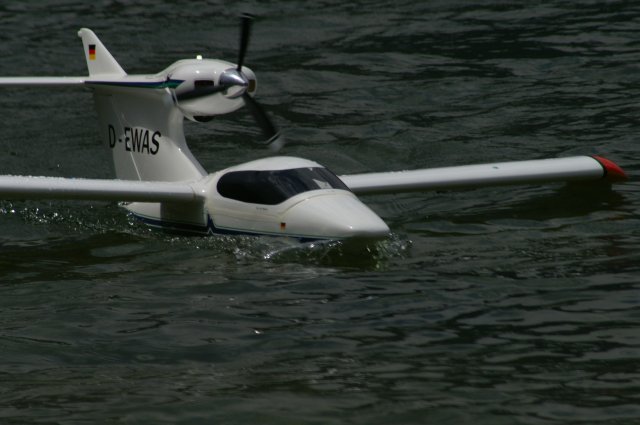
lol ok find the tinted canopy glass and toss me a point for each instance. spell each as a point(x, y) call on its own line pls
point(274, 187)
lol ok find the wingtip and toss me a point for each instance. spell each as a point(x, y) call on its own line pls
point(612, 171)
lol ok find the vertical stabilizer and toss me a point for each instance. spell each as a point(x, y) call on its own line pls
point(138, 119)
point(99, 60)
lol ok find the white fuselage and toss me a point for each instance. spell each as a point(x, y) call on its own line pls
point(279, 196)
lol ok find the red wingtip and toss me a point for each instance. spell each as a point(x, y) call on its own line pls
point(612, 171)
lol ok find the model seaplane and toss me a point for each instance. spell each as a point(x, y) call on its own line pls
point(159, 181)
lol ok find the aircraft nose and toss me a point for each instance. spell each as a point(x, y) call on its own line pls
point(334, 216)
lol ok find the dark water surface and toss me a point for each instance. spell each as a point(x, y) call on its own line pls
point(497, 306)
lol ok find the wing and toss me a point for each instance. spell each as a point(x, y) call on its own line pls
point(578, 168)
point(27, 187)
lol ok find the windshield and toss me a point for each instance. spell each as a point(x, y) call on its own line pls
point(274, 187)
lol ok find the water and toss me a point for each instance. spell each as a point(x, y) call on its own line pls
point(497, 306)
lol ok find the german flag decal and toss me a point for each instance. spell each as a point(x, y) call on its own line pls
point(92, 52)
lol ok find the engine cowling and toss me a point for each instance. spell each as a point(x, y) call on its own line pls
point(210, 87)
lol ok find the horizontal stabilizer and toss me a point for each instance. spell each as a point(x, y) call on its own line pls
point(42, 81)
point(28, 187)
point(578, 168)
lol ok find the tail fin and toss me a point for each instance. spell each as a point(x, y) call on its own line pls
point(139, 122)
point(99, 60)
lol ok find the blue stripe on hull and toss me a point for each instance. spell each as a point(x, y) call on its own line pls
point(210, 229)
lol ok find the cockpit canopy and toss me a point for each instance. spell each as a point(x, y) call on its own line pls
point(271, 187)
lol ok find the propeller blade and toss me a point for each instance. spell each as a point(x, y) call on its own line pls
point(246, 20)
point(269, 130)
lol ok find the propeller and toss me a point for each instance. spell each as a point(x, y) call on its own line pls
point(269, 130)
point(236, 78)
